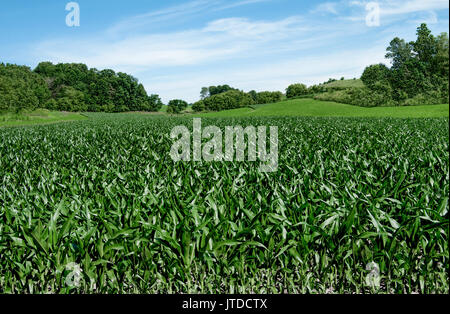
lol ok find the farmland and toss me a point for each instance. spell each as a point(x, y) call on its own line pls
point(103, 193)
point(346, 83)
point(39, 116)
point(314, 108)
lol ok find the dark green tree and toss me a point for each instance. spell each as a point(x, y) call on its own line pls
point(177, 106)
point(399, 52)
point(102, 90)
point(296, 90)
point(21, 89)
point(375, 73)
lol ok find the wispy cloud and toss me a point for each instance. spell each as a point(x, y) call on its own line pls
point(177, 13)
point(327, 7)
point(167, 14)
point(249, 53)
point(405, 7)
point(220, 39)
point(392, 10)
point(274, 76)
point(231, 4)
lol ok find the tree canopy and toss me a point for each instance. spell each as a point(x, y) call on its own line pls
point(177, 106)
point(20, 88)
point(72, 87)
point(296, 90)
point(419, 69)
point(224, 97)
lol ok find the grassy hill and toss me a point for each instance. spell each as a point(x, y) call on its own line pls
point(310, 107)
point(288, 108)
point(346, 83)
point(39, 116)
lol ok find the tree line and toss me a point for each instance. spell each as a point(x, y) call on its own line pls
point(224, 97)
point(419, 74)
point(72, 87)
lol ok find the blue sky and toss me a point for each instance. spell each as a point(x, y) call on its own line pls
point(176, 47)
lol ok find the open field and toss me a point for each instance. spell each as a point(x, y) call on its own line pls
point(296, 107)
point(104, 194)
point(346, 83)
point(40, 116)
point(315, 108)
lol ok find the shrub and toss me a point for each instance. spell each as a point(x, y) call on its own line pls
point(363, 97)
point(429, 98)
point(103, 90)
point(296, 90)
point(268, 97)
point(21, 89)
point(315, 89)
point(176, 106)
point(253, 94)
point(375, 73)
point(228, 100)
point(199, 106)
point(152, 103)
point(70, 99)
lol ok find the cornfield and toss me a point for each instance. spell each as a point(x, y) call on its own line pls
point(104, 195)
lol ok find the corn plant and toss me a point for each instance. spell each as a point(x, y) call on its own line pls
point(104, 197)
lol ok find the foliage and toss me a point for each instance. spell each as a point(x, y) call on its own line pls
point(268, 97)
point(380, 95)
point(253, 94)
point(330, 80)
point(428, 98)
point(199, 106)
point(21, 89)
point(296, 90)
point(306, 107)
point(374, 74)
point(69, 99)
point(105, 195)
point(100, 90)
point(418, 76)
point(214, 90)
point(176, 106)
point(228, 100)
point(235, 99)
point(316, 89)
point(38, 116)
point(419, 70)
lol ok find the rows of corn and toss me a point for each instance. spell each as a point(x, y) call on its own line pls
point(102, 201)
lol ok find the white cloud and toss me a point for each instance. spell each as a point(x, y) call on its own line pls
point(246, 53)
point(274, 76)
point(412, 6)
point(394, 10)
point(327, 7)
point(221, 39)
point(167, 14)
point(176, 13)
point(251, 30)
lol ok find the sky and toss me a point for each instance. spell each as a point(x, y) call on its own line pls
point(176, 47)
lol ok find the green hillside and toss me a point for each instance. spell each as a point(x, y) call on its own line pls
point(39, 116)
point(310, 107)
point(346, 83)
